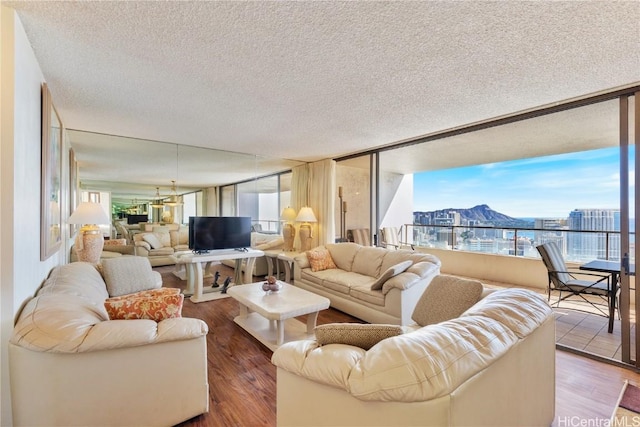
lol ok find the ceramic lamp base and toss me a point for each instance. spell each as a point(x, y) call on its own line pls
point(305, 238)
point(288, 234)
point(89, 244)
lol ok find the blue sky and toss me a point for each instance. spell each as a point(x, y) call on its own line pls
point(549, 186)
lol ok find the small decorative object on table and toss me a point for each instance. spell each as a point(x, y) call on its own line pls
point(271, 284)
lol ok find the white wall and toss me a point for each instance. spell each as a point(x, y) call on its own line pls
point(21, 271)
point(396, 200)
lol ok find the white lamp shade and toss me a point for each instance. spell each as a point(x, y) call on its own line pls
point(288, 214)
point(89, 213)
point(306, 215)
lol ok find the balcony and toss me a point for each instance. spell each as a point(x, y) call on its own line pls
point(507, 257)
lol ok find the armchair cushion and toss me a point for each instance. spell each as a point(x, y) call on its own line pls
point(128, 274)
point(445, 298)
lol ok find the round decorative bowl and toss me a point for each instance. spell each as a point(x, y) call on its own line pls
point(271, 287)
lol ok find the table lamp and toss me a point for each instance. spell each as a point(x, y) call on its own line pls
point(288, 215)
point(89, 240)
point(306, 216)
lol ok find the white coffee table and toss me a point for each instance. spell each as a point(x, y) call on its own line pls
point(268, 316)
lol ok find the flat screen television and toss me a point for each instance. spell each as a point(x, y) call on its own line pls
point(134, 219)
point(208, 233)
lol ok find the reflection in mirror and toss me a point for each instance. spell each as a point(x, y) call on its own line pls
point(134, 170)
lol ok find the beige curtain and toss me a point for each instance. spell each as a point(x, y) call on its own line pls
point(322, 194)
point(299, 187)
point(313, 185)
point(299, 194)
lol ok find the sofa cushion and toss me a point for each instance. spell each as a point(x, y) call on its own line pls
point(154, 304)
point(320, 259)
point(179, 236)
point(360, 335)
point(152, 240)
point(164, 251)
point(344, 281)
point(445, 298)
point(343, 254)
point(368, 261)
point(164, 237)
point(365, 293)
point(390, 272)
point(127, 275)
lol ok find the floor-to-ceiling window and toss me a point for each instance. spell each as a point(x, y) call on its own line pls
point(555, 171)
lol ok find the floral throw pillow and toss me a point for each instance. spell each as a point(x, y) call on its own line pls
point(320, 259)
point(154, 304)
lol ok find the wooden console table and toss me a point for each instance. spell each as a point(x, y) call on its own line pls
point(194, 272)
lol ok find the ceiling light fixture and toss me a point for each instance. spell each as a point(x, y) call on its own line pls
point(174, 200)
point(157, 202)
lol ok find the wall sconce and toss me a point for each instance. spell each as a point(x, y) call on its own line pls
point(288, 215)
point(306, 216)
point(89, 240)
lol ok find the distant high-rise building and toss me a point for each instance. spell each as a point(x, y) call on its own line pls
point(589, 243)
point(548, 234)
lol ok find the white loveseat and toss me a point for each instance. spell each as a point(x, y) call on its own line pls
point(494, 365)
point(349, 286)
point(71, 365)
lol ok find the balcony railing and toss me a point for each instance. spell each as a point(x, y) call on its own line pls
point(578, 246)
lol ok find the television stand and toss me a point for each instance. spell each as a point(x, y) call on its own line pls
point(195, 273)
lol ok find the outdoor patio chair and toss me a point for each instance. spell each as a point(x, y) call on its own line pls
point(591, 288)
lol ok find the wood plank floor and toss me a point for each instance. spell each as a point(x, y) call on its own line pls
point(242, 380)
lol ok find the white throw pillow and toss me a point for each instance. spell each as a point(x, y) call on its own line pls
point(390, 272)
point(152, 240)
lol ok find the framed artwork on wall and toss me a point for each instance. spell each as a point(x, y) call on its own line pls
point(51, 174)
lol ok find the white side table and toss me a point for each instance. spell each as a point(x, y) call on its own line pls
point(288, 257)
point(195, 274)
point(271, 256)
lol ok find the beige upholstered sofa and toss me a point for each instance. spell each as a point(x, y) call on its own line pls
point(160, 244)
point(359, 268)
point(112, 249)
point(71, 365)
point(493, 365)
point(262, 242)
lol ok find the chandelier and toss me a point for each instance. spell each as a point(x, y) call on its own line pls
point(157, 202)
point(174, 200)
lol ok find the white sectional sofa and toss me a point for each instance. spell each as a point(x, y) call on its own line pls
point(493, 365)
point(71, 365)
point(349, 286)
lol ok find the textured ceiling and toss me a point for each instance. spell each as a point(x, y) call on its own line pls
point(309, 80)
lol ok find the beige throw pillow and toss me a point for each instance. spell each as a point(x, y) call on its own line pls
point(390, 272)
point(128, 274)
point(360, 335)
point(152, 240)
point(446, 298)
